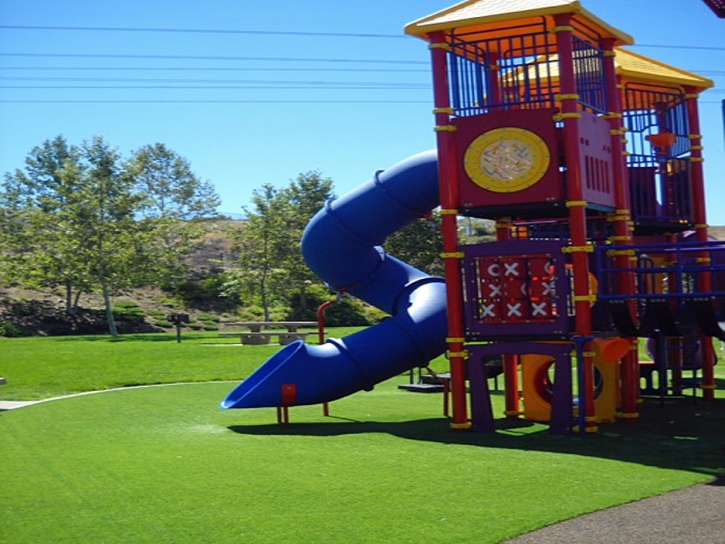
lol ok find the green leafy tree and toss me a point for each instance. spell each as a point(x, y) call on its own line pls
point(419, 244)
point(175, 203)
point(305, 196)
point(170, 187)
point(260, 274)
point(36, 231)
point(80, 217)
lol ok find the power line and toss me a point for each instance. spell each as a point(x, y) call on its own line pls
point(693, 47)
point(207, 57)
point(277, 33)
point(209, 69)
point(202, 101)
point(207, 31)
point(194, 80)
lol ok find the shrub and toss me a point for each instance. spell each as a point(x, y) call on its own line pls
point(208, 318)
point(164, 324)
point(210, 326)
point(23, 308)
point(10, 330)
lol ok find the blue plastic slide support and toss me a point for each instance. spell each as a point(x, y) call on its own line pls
point(342, 245)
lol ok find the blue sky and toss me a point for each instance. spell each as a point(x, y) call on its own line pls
point(272, 111)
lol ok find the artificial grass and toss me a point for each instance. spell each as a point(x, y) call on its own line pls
point(164, 464)
point(37, 368)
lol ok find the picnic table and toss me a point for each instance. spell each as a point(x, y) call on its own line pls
point(256, 336)
point(257, 326)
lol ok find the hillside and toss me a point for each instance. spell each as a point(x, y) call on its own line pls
point(142, 310)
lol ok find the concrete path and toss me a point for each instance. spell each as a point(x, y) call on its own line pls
point(694, 515)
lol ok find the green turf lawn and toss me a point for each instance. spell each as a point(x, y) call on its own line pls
point(164, 464)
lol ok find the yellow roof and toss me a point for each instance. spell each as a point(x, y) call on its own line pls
point(472, 13)
point(634, 67)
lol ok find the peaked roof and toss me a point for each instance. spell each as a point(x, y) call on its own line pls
point(471, 13)
point(635, 67)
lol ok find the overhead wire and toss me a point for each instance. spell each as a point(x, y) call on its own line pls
point(131, 83)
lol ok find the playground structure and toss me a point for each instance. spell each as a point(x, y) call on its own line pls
point(589, 159)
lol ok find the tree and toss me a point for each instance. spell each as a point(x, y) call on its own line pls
point(419, 244)
point(270, 266)
point(305, 196)
point(38, 249)
point(263, 243)
point(175, 200)
point(170, 187)
point(80, 217)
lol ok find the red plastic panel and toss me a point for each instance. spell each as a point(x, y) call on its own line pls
point(540, 121)
point(596, 160)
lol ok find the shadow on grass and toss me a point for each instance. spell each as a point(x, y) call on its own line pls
point(141, 337)
point(680, 434)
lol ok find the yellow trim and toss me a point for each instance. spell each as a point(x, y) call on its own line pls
point(694, 136)
point(592, 429)
point(455, 340)
point(696, 148)
point(632, 415)
point(560, 97)
point(445, 128)
point(562, 116)
point(562, 28)
point(462, 426)
point(512, 413)
point(444, 110)
point(610, 53)
point(626, 153)
point(576, 204)
point(620, 238)
point(453, 255)
point(462, 354)
point(578, 249)
point(588, 354)
point(691, 95)
point(590, 419)
point(615, 252)
point(614, 218)
point(612, 115)
point(701, 225)
point(448, 211)
point(708, 387)
point(444, 46)
point(585, 298)
point(618, 131)
point(697, 159)
point(703, 260)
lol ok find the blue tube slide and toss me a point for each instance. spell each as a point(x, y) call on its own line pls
point(342, 245)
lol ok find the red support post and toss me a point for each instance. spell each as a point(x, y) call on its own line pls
point(621, 222)
point(697, 179)
point(579, 248)
point(448, 183)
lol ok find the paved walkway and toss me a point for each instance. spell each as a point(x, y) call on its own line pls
point(694, 515)
point(10, 404)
